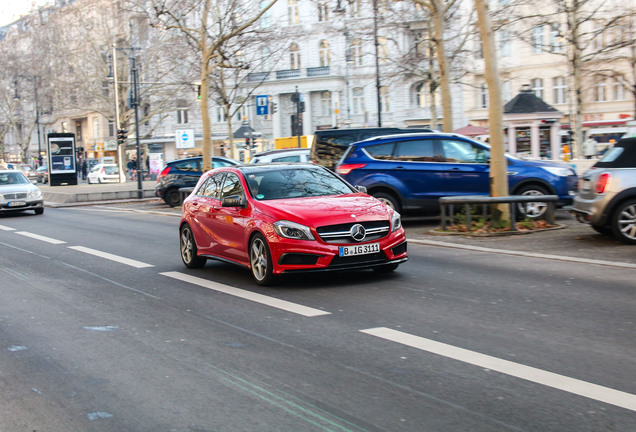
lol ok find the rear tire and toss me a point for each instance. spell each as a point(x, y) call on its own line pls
point(261, 261)
point(388, 199)
point(624, 222)
point(188, 248)
point(172, 197)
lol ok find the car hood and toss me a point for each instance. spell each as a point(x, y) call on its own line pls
point(17, 188)
point(326, 210)
point(541, 163)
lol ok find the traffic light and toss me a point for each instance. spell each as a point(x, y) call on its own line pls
point(199, 92)
point(247, 143)
point(274, 107)
point(121, 136)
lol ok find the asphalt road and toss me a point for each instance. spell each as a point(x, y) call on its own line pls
point(103, 329)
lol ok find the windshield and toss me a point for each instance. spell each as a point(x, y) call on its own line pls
point(13, 178)
point(294, 182)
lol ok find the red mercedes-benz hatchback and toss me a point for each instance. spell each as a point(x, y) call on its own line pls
point(284, 218)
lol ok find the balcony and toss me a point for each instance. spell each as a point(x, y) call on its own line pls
point(318, 71)
point(287, 73)
point(257, 76)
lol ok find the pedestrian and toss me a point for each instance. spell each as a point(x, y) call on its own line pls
point(84, 169)
point(590, 148)
point(566, 152)
point(132, 164)
point(3, 164)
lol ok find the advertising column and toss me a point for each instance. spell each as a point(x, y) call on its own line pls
point(62, 164)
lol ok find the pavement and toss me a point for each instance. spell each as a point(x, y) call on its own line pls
point(571, 241)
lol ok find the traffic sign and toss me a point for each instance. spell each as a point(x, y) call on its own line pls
point(184, 138)
point(262, 105)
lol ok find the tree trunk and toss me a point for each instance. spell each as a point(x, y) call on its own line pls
point(438, 25)
point(498, 163)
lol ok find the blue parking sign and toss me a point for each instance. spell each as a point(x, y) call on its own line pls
point(262, 105)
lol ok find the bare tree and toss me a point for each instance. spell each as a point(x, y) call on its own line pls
point(209, 26)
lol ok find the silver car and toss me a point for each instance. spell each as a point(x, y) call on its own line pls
point(17, 193)
point(607, 193)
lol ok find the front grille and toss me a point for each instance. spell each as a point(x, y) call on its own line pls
point(399, 249)
point(21, 195)
point(341, 233)
point(298, 259)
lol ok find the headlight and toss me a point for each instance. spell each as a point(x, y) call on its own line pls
point(35, 194)
point(396, 221)
point(558, 171)
point(292, 230)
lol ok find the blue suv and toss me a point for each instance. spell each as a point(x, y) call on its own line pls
point(410, 172)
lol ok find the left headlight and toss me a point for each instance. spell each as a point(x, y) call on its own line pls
point(396, 221)
point(559, 171)
point(293, 230)
point(35, 194)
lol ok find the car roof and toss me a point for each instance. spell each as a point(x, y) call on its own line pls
point(279, 151)
point(413, 135)
point(271, 166)
point(626, 159)
point(201, 158)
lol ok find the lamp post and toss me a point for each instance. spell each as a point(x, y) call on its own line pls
point(341, 10)
point(377, 60)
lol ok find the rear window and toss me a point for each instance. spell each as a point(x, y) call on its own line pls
point(622, 155)
point(111, 170)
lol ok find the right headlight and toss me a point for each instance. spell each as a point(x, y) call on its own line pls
point(293, 230)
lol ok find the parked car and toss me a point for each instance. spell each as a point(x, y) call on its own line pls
point(607, 193)
point(410, 172)
point(330, 144)
point(184, 173)
point(43, 174)
point(276, 219)
point(18, 193)
point(104, 173)
point(282, 155)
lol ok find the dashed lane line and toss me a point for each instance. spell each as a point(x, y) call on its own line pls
point(6, 228)
point(247, 295)
point(111, 257)
point(549, 379)
point(40, 237)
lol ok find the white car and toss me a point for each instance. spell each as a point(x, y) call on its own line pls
point(104, 173)
point(283, 155)
point(18, 193)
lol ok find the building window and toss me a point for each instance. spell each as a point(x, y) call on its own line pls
point(323, 11)
point(325, 103)
point(266, 18)
point(505, 44)
point(294, 56)
point(354, 8)
point(220, 114)
point(506, 91)
point(558, 90)
point(537, 39)
point(537, 87)
point(600, 89)
point(105, 89)
point(483, 96)
point(96, 128)
point(324, 53)
point(356, 52)
point(358, 100)
point(618, 84)
point(421, 89)
point(292, 12)
point(182, 116)
point(385, 99)
point(556, 40)
point(383, 53)
point(111, 128)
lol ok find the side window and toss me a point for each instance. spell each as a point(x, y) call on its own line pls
point(381, 151)
point(464, 152)
point(287, 159)
point(212, 186)
point(217, 163)
point(191, 165)
point(416, 151)
point(231, 186)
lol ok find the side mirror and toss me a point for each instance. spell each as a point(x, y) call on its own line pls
point(362, 189)
point(232, 201)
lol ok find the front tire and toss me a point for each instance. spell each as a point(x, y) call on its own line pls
point(532, 210)
point(261, 261)
point(39, 211)
point(188, 248)
point(624, 222)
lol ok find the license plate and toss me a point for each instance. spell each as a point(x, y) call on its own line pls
point(16, 203)
point(359, 249)
point(585, 184)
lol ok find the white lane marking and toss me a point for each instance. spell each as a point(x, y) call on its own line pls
point(6, 228)
point(39, 237)
point(571, 385)
point(522, 253)
point(111, 257)
point(258, 298)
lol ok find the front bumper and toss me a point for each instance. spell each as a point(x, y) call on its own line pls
point(28, 205)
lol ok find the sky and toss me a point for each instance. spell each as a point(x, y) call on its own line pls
point(10, 10)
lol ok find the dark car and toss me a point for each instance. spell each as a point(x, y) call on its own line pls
point(411, 172)
point(330, 144)
point(607, 193)
point(288, 218)
point(43, 174)
point(184, 173)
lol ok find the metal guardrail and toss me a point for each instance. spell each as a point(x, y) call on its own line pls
point(447, 206)
point(185, 191)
